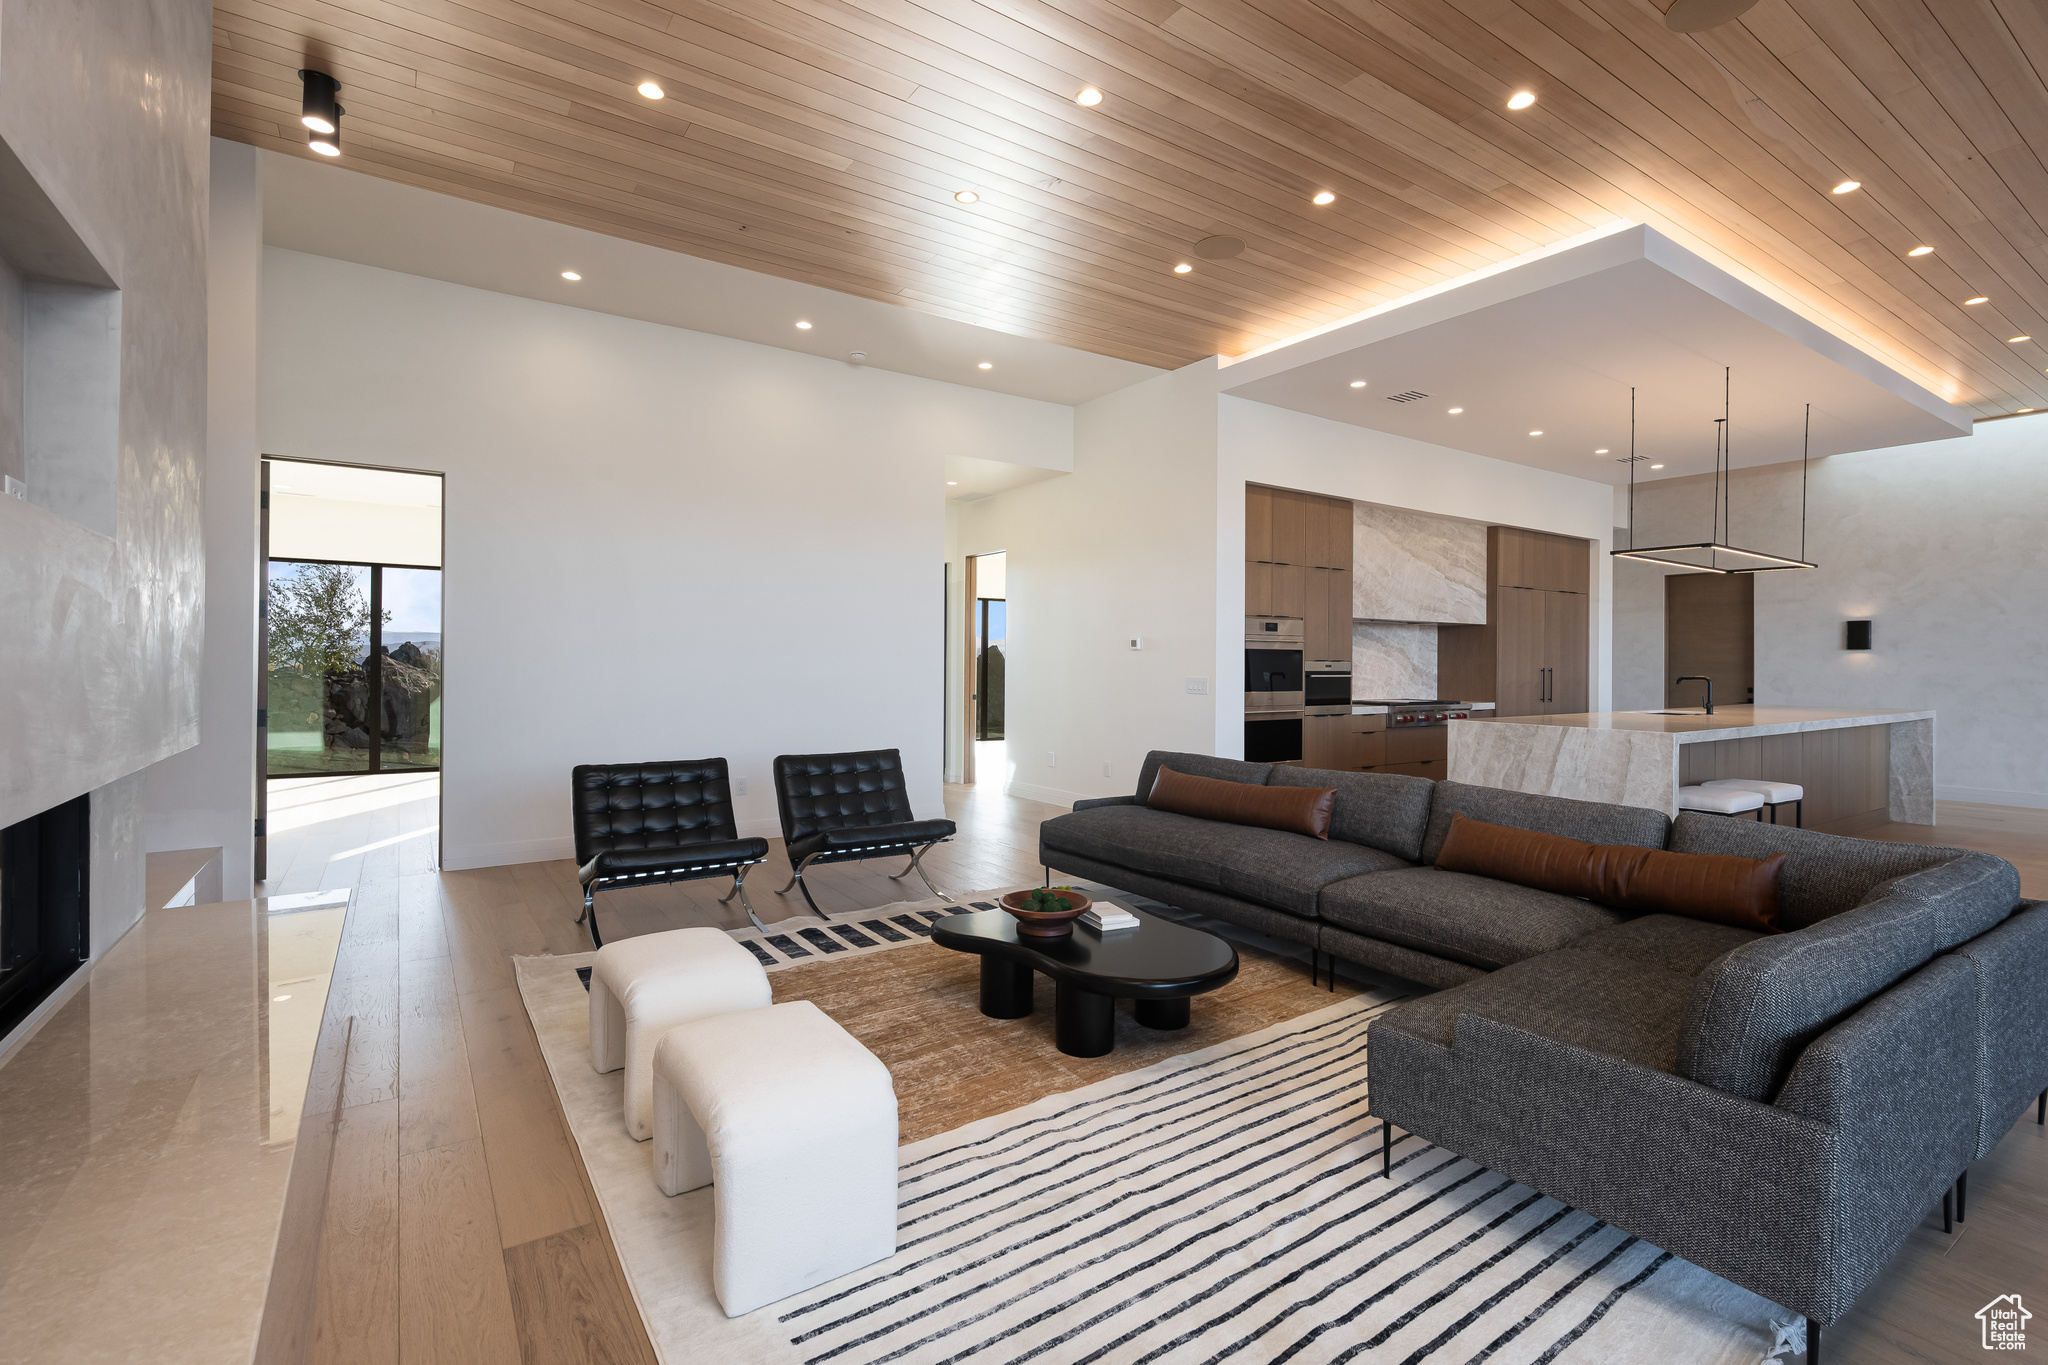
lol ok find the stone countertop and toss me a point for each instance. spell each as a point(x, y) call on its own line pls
point(1727, 722)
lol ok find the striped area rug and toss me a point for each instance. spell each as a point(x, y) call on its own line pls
point(1228, 1209)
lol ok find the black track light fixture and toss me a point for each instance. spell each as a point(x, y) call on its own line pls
point(320, 113)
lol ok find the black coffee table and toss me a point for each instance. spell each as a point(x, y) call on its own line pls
point(1160, 965)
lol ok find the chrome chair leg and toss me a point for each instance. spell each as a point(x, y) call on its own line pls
point(589, 915)
point(796, 879)
point(917, 866)
point(739, 888)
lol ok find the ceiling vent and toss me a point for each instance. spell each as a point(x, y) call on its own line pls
point(1408, 397)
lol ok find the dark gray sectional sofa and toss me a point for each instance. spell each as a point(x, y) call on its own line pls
point(1781, 1109)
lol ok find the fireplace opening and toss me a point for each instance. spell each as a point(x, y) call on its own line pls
point(44, 928)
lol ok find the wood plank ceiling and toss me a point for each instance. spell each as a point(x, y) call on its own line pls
point(825, 141)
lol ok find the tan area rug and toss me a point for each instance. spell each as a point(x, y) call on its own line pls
point(1206, 1195)
point(918, 1010)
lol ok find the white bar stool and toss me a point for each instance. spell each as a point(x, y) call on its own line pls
point(642, 987)
point(1775, 794)
point(1720, 801)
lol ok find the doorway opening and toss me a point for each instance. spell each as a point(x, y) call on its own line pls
point(1710, 632)
point(351, 679)
point(988, 613)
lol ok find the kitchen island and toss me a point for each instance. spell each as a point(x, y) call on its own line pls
point(1859, 768)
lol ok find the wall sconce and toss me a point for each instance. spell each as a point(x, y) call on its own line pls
point(1858, 636)
point(320, 113)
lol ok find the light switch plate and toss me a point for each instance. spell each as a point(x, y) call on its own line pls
point(1198, 687)
point(1137, 642)
point(1105, 767)
point(739, 786)
point(1050, 756)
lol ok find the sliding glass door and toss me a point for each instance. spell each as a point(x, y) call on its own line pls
point(354, 669)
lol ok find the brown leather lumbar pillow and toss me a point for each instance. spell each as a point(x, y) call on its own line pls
point(1298, 810)
point(1706, 886)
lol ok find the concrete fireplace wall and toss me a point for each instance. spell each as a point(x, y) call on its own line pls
point(103, 122)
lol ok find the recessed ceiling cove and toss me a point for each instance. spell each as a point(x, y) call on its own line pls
point(1534, 365)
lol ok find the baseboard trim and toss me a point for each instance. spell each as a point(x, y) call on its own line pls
point(1992, 796)
point(1051, 796)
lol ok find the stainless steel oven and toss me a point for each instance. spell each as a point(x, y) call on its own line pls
point(1323, 684)
point(1272, 662)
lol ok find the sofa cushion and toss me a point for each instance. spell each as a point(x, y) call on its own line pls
point(1825, 874)
point(1683, 945)
point(1755, 1009)
point(1617, 1005)
point(1289, 871)
point(1200, 765)
point(1297, 810)
point(1474, 920)
point(1178, 847)
point(1386, 811)
point(2008, 965)
point(1596, 822)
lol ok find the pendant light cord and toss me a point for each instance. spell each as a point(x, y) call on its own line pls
point(1632, 468)
point(1805, 449)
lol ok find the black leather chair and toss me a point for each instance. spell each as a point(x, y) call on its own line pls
point(841, 807)
point(640, 824)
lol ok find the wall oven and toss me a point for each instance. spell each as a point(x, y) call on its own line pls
point(1274, 738)
point(1272, 662)
point(1326, 685)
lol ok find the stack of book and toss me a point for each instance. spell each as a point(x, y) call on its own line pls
point(1107, 918)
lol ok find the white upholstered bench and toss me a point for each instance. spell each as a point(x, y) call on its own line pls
point(642, 987)
point(793, 1124)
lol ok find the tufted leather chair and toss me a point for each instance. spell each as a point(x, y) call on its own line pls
point(638, 824)
point(837, 807)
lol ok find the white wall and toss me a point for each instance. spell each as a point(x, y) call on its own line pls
point(660, 544)
point(1262, 444)
point(205, 797)
point(1940, 545)
point(1124, 546)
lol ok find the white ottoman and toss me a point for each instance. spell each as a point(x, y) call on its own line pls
point(640, 988)
point(1719, 800)
point(793, 1124)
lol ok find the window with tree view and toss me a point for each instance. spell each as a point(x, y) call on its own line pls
point(354, 668)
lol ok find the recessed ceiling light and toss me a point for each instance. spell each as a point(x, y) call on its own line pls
point(651, 90)
point(1656, 466)
point(2026, 409)
point(1601, 451)
point(1455, 411)
point(952, 483)
point(1846, 186)
point(966, 197)
point(279, 999)
point(1921, 251)
point(1358, 383)
point(1182, 269)
point(1535, 433)
point(986, 365)
point(571, 275)
point(1981, 298)
point(2019, 338)
point(1090, 97)
point(1325, 197)
point(803, 326)
point(1521, 99)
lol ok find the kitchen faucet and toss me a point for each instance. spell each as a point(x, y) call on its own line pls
point(1710, 689)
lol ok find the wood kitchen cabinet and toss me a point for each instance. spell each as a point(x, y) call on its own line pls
point(1344, 743)
point(1326, 624)
point(1288, 538)
point(1529, 659)
point(1534, 559)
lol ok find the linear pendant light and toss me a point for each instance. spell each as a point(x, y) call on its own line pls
point(1718, 544)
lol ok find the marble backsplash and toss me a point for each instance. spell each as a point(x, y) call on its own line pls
point(1393, 659)
point(1412, 566)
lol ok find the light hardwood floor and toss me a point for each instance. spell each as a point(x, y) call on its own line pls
point(459, 1226)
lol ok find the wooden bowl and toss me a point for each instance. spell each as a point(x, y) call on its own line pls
point(1038, 924)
